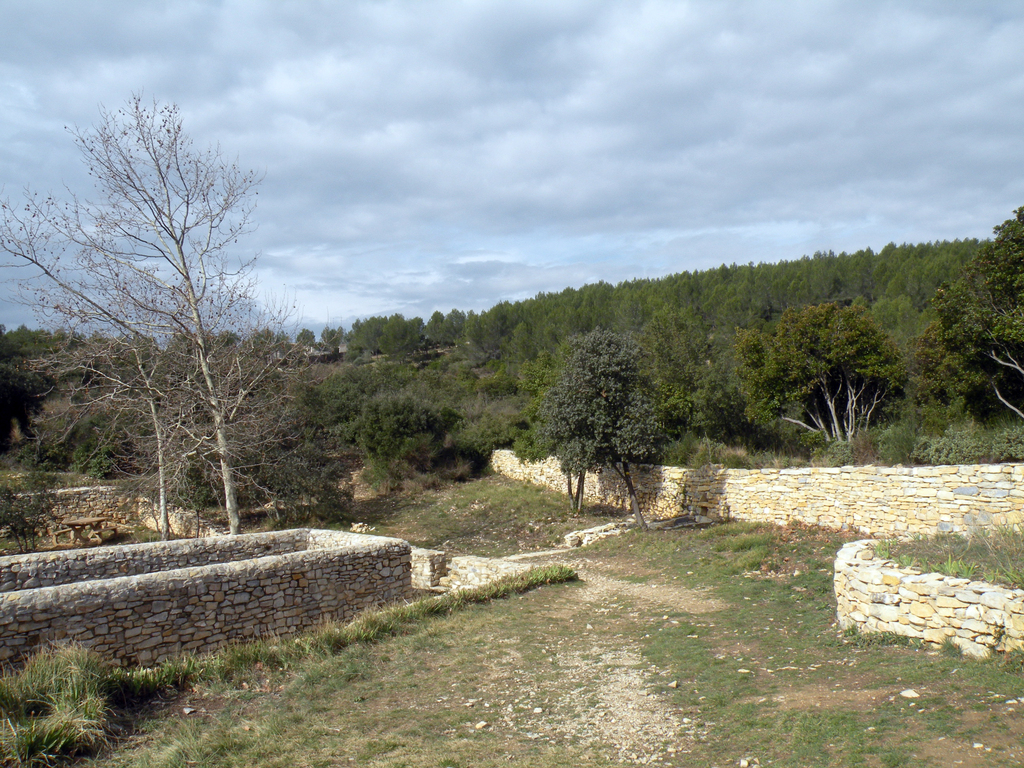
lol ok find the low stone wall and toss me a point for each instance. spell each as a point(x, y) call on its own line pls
point(143, 618)
point(130, 509)
point(429, 566)
point(878, 501)
point(47, 569)
point(877, 595)
point(467, 571)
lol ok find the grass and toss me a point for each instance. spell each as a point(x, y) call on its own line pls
point(729, 630)
point(490, 517)
point(995, 555)
point(62, 702)
point(695, 647)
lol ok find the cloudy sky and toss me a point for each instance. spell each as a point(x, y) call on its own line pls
point(426, 155)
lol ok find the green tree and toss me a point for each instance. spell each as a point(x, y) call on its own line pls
point(693, 372)
point(981, 314)
point(26, 513)
point(825, 368)
point(400, 336)
point(22, 389)
point(600, 412)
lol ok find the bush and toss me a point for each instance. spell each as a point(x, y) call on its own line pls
point(26, 513)
point(896, 443)
point(1009, 444)
point(959, 444)
point(839, 454)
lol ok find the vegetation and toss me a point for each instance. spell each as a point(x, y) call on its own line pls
point(696, 647)
point(64, 702)
point(995, 555)
point(599, 412)
point(981, 314)
point(28, 507)
point(832, 363)
point(832, 359)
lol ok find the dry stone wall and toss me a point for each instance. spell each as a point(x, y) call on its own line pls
point(878, 501)
point(129, 509)
point(468, 571)
point(877, 595)
point(47, 569)
point(143, 618)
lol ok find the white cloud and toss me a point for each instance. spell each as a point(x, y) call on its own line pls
point(436, 154)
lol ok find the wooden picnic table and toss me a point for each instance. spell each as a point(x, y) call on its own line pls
point(85, 529)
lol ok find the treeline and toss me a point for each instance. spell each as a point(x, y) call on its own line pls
point(427, 401)
point(896, 283)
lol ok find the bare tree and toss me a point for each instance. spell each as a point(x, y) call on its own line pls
point(132, 381)
point(151, 261)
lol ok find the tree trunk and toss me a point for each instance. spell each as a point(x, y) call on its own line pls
point(227, 474)
point(633, 503)
point(163, 523)
point(578, 505)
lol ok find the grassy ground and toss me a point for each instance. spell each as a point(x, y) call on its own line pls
point(677, 648)
point(491, 517)
point(995, 555)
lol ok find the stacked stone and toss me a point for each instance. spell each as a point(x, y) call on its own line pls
point(662, 492)
point(885, 501)
point(429, 566)
point(877, 595)
point(889, 501)
point(130, 509)
point(590, 535)
point(46, 569)
point(469, 571)
point(144, 618)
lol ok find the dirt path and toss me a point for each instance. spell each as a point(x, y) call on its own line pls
point(596, 691)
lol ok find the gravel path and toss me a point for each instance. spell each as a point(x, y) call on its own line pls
point(599, 693)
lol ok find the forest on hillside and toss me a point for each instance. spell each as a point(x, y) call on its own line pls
point(160, 366)
point(424, 402)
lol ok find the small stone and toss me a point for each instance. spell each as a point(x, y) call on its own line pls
point(675, 684)
point(187, 710)
point(537, 710)
point(978, 745)
point(482, 724)
point(743, 671)
point(910, 693)
point(589, 627)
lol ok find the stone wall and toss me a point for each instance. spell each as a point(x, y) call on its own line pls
point(468, 571)
point(258, 588)
point(126, 508)
point(877, 595)
point(429, 566)
point(878, 501)
point(47, 569)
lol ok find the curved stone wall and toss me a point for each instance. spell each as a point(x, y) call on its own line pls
point(877, 595)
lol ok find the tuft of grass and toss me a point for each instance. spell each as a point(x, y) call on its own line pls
point(235, 661)
point(997, 553)
point(55, 705)
point(859, 639)
point(61, 702)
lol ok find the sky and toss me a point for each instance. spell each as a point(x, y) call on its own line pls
point(429, 155)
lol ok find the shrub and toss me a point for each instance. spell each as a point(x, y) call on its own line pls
point(959, 444)
point(839, 454)
point(897, 441)
point(1009, 444)
point(25, 515)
